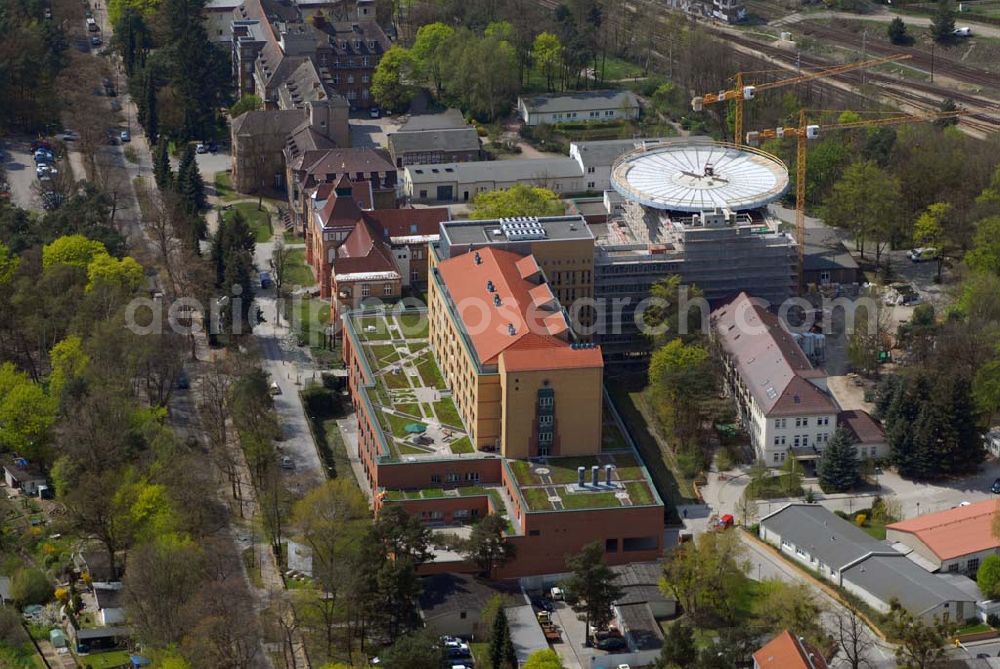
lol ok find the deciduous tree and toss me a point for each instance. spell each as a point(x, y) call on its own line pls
point(518, 200)
point(392, 82)
point(487, 546)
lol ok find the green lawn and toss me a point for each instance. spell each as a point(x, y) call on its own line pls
point(414, 326)
point(412, 409)
point(616, 68)
point(674, 489)
point(326, 432)
point(383, 354)
point(463, 445)
point(430, 373)
point(397, 424)
point(258, 220)
point(250, 561)
point(639, 493)
point(314, 316)
point(447, 412)
point(110, 660)
point(224, 186)
point(589, 500)
point(297, 272)
point(381, 330)
point(537, 499)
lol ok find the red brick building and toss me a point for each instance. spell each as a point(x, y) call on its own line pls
point(416, 451)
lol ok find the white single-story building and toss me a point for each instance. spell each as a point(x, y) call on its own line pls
point(460, 182)
point(870, 569)
point(19, 474)
point(578, 107)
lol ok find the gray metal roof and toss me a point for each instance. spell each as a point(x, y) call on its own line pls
point(449, 119)
point(495, 170)
point(525, 633)
point(579, 101)
point(640, 626)
point(888, 577)
point(606, 151)
point(826, 536)
point(825, 251)
point(458, 233)
point(445, 139)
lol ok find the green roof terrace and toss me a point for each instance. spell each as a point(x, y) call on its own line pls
point(553, 484)
point(409, 397)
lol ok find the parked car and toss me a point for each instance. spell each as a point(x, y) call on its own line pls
point(201, 148)
point(183, 382)
point(374, 112)
point(126, 136)
point(48, 13)
point(68, 136)
point(275, 388)
point(995, 488)
point(92, 25)
point(611, 643)
point(964, 31)
point(213, 147)
point(265, 280)
point(923, 254)
point(287, 462)
point(95, 40)
point(542, 604)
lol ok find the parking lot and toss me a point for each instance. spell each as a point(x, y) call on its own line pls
point(20, 168)
point(370, 133)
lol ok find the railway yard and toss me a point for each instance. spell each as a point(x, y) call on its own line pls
point(818, 39)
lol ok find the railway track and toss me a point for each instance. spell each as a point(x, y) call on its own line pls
point(919, 95)
point(918, 57)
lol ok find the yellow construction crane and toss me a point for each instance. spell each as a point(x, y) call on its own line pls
point(742, 92)
point(805, 132)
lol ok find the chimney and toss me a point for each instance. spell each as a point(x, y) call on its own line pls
point(580, 475)
point(607, 473)
point(595, 475)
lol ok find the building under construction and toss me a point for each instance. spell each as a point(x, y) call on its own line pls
point(697, 209)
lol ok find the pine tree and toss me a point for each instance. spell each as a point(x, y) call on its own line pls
point(152, 124)
point(189, 182)
point(162, 172)
point(943, 21)
point(838, 466)
point(678, 650)
point(501, 647)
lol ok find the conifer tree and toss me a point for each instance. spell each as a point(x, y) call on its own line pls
point(162, 172)
point(838, 466)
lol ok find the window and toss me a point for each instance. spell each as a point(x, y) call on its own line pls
point(463, 614)
point(796, 442)
point(414, 276)
point(973, 566)
point(387, 289)
point(534, 533)
point(779, 423)
point(545, 402)
point(545, 420)
point(632, 544)
point(591, 169)
point(610, 545)
point(454, 478)
point(805, 422)
point(423, 194)
point(364, 78)
point(435, 478)
point(776, 457)
point(472, 476)
point(805, 440)
point(545, 437)
point(366, 290)
point(590, 184)
point(798, 422)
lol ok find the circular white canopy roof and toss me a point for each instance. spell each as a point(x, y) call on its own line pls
point(693, 176)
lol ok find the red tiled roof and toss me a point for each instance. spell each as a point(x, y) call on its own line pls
point(401, 222)
point(786, 652)
point(525, 337)
point(865, 428)
point(956, 532)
